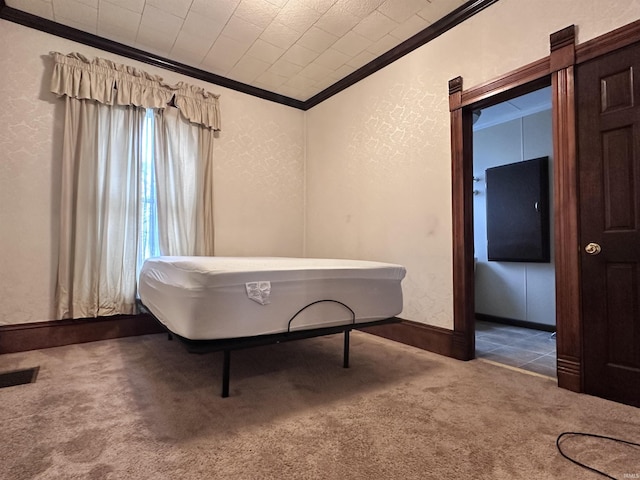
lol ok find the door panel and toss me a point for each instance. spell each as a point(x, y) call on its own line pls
point(608, 94)
point(618, 171)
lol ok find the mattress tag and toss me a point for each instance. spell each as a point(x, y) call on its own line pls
point(259, 292)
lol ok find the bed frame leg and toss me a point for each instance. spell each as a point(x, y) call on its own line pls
point(346, 349)
point(226, 367)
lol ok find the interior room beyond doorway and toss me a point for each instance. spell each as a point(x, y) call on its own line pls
point(514, 299)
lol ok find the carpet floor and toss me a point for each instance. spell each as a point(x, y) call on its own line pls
point(143, 407)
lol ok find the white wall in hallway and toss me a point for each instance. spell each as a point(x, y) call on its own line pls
point(515, 290)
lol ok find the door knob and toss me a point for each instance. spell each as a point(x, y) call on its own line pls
point(593, 249)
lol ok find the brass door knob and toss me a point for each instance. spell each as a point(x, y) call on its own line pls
point(593, 249)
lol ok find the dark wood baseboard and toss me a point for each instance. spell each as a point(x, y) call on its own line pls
point(427, 337)
point(56, 333)
point(569, 373)
point(516, 323)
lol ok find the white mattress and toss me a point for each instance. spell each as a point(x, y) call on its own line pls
point(206, 298)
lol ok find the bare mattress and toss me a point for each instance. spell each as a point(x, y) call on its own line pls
point(207, 298)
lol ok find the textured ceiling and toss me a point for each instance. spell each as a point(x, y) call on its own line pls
point(294, 48)
point(518, 107)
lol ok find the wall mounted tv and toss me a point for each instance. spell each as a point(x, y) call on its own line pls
point(518, 211)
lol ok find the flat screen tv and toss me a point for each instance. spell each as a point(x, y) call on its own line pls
point(518, 211)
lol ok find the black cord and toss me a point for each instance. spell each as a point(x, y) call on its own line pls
point(594, 436)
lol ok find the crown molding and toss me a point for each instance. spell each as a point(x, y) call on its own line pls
point(448, 22)
point(433, 31)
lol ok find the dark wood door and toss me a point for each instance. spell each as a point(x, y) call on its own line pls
point(608, 96)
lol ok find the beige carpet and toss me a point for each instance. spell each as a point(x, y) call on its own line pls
point(143, 407)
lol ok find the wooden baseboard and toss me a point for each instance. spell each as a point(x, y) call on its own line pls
point(56, 333)
point(516, 323)
point(569, 373)
point(427, 337)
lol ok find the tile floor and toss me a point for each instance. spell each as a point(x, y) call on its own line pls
point(532, 350)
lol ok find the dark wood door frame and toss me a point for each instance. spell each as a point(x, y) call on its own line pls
point(558, 70)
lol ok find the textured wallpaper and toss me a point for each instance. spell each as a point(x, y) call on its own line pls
point(259, 165)
point(390, 197)
point(27, 166)
point(378, 153)
point(259, 179)
point(367, 170)
point(376, 190)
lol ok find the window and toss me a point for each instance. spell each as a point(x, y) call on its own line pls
point(148, 241)
point(136, 180)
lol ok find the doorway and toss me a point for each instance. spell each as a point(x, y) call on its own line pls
point(574, 353)
point(514, 300)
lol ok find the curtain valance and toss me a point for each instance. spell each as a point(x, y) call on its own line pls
point(115, 84)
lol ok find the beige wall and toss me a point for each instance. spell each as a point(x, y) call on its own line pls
point(378, 153)
point(259, 172)
point(377, 171)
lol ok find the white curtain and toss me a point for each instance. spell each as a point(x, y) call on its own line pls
point(99, 223)
point(184, 186)
point(101, 179)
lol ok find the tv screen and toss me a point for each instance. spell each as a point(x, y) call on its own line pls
point(518, 211)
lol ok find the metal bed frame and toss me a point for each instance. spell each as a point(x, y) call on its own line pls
point(227, 345)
